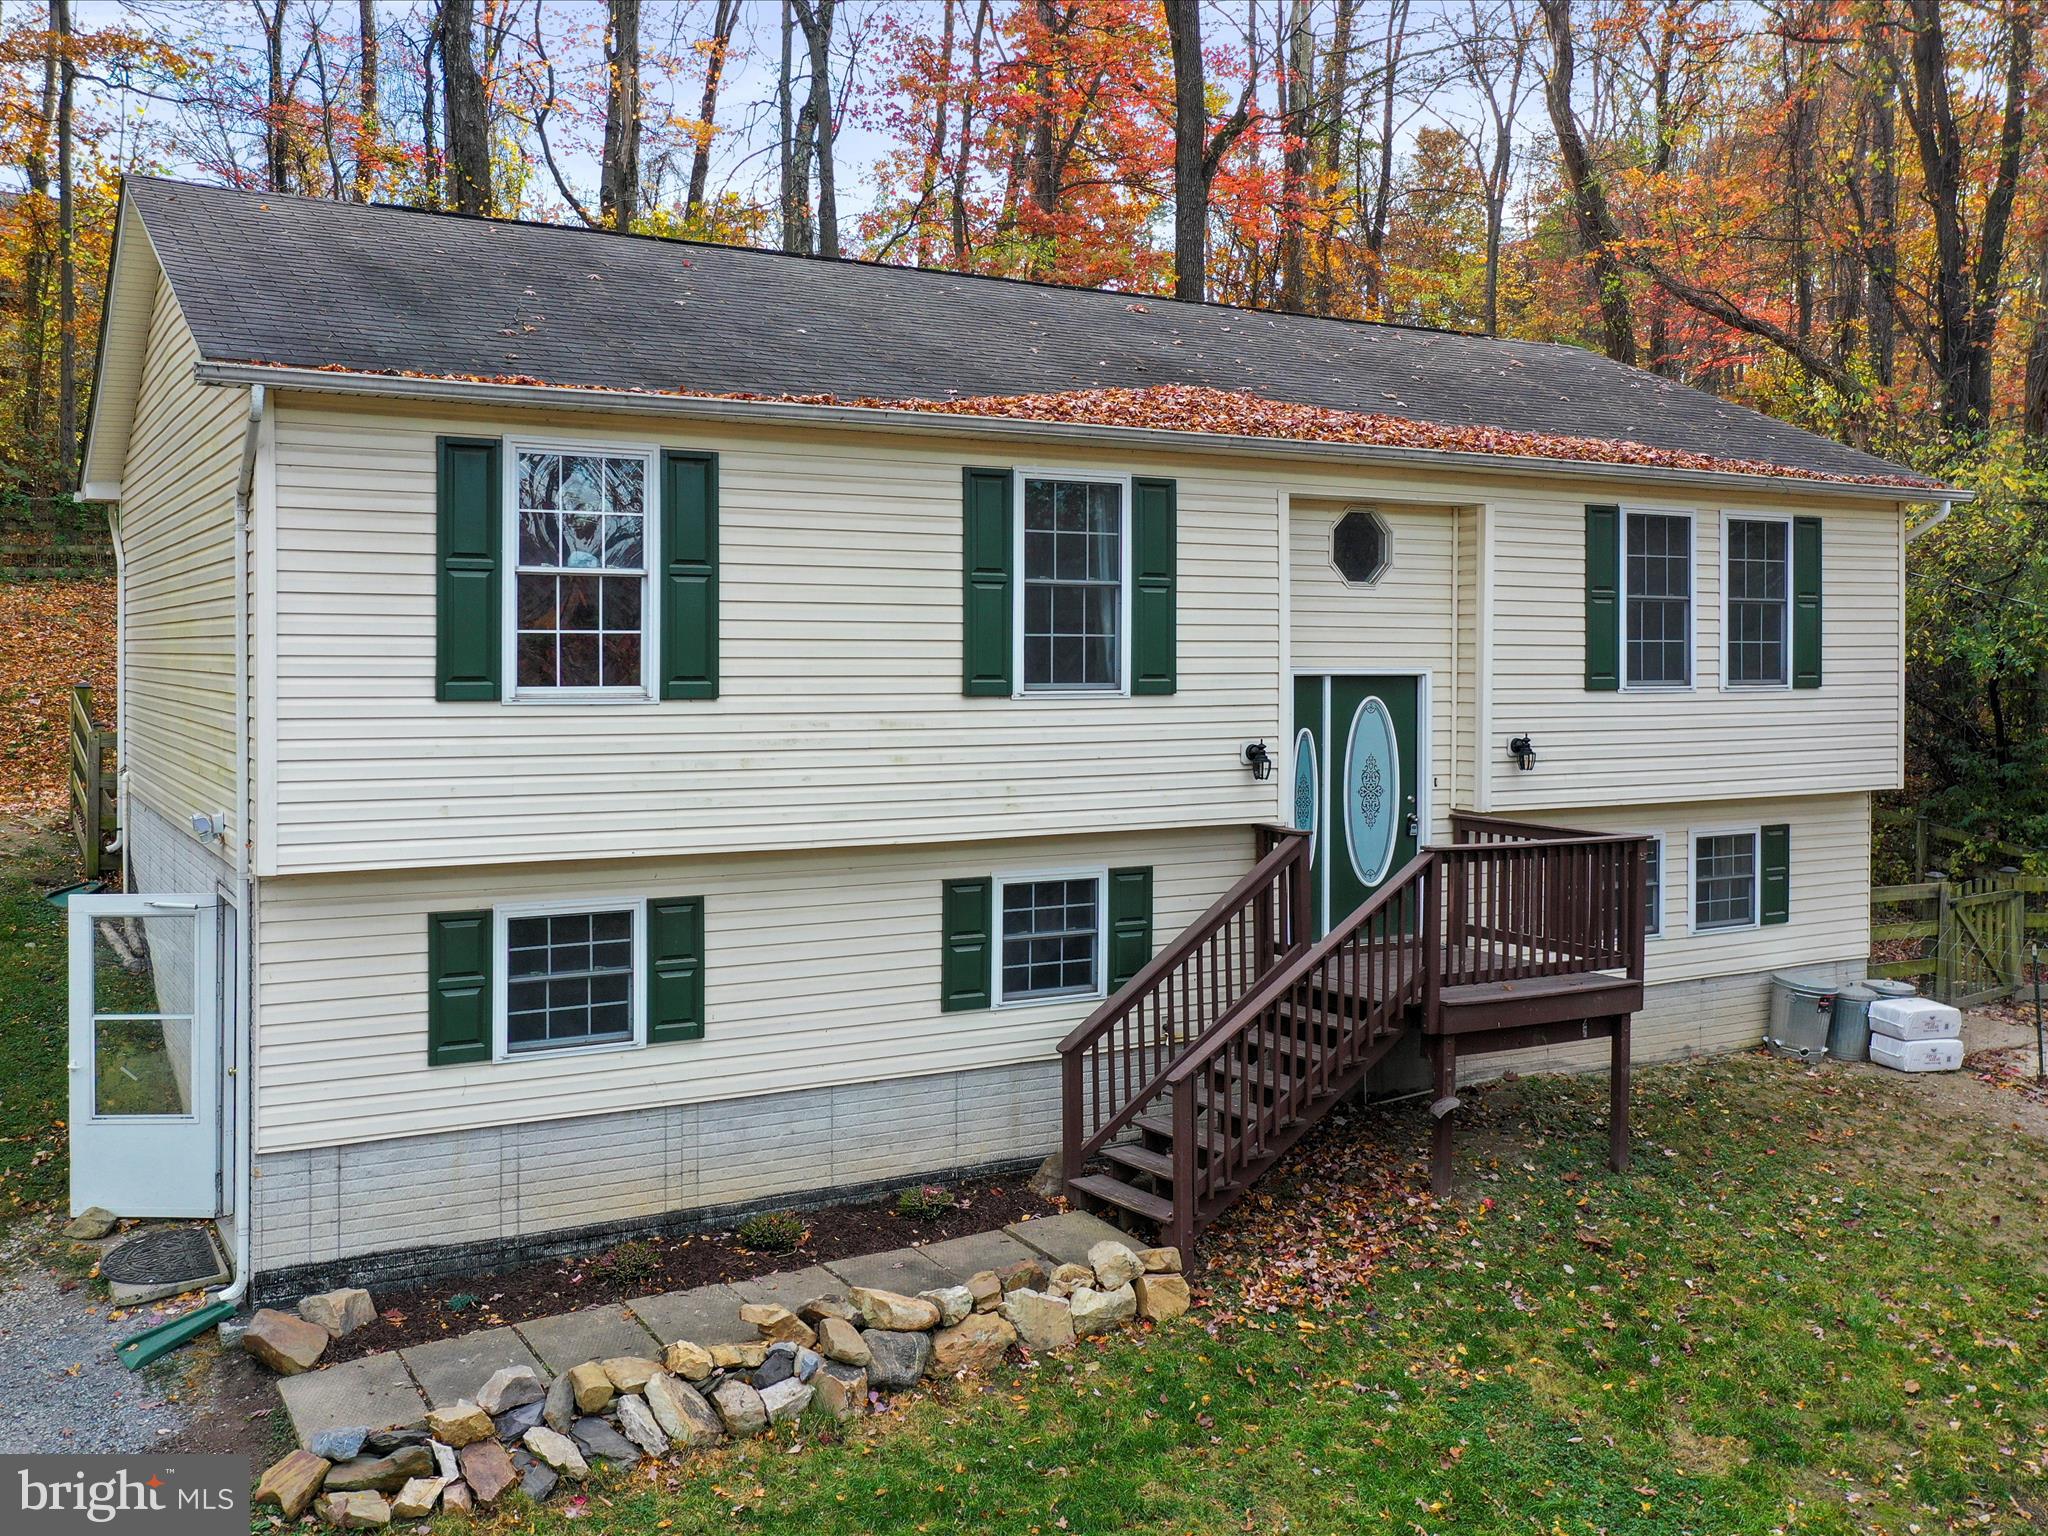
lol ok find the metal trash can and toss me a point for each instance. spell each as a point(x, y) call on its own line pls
point(1885, 988)
point(1800, 1012)
point(1849, 1028)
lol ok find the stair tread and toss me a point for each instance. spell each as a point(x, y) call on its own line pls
point(1143, 1159)
point(1130, 1198)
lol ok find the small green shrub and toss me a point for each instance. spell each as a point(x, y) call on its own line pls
point(923, 1202)
point(633, 1261)
point(772, 1231)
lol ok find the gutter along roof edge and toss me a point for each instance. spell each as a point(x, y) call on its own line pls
point(768, 412)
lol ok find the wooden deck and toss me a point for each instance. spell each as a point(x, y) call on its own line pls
point(1246, 1030)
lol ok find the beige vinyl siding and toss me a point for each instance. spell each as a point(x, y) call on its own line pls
point(1466, 742)
point(178, 569)
point(840, 719)
point(820, 969)
point(1404, 622)
point(1658, 745)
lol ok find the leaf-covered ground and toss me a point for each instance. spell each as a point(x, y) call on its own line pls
point(1818, 1305)
point(53, 635)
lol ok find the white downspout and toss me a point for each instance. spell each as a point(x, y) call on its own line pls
point(1914, 530)
point(120, 843)
point(245, 963)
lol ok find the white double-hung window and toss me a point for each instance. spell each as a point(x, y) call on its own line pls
point(1073, 598)
point(1727, 872)
point(1756, 638)
point(579, 606)
point(1052, 936)
point(569, 977)
point(1656, 573)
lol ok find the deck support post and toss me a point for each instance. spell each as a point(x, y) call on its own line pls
point(1443, 1051)
point(1617, 1088)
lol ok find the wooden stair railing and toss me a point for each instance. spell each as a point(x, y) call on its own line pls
point(1250, 1045)
point(1111, 1064)
point(1304, 1037)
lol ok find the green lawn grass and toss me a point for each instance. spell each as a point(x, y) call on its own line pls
point(1774, 1324)
point(1818, 1305)
point(32, 1022)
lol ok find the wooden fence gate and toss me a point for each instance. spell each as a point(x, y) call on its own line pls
point(95, 805)
point(1978, 928)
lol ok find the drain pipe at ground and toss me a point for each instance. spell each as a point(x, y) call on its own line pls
point(244, 1069)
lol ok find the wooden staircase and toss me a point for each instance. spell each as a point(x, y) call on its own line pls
point(1184, 1088)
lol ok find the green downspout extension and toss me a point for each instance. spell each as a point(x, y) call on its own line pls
point(155, 1343)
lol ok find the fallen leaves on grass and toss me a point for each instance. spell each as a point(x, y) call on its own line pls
point(1299, 1243)
point(56, 634)
point(2012, 1067)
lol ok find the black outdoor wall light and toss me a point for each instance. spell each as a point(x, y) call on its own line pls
point(1259, 760)
point(1523, 751)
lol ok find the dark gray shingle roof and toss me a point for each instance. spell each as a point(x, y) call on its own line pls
point(308, 283)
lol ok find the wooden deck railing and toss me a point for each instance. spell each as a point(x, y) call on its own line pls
point(1542, 908)
point(1111, 1064)
point(1504, 906)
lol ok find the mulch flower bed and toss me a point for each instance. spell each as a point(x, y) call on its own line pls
point(644, 1266)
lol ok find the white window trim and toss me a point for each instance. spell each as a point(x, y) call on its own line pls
point(1692, 601)
point(1099, 873)
point(501, 975)
point(1020, 689)
point(1755, 834)
point(650, 598)
point(1727, 681)
point(1663, 870)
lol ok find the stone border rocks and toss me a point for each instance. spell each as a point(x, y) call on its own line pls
point(828, 1359)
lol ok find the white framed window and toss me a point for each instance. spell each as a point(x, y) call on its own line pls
point(569, 978)
point(1756, 586)
point(1727, 879)
point(579, 609)
point(1653, 886)
point(1073, 591)
point(1053, 935)
point(1657, 599)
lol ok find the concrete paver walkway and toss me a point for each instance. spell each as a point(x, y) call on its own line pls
point(396, 1388)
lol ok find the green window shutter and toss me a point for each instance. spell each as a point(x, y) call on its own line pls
point(964, 968)
point(675, 969)
point(1806, 583)
point(1774, 877)
point(1153, 519)
point(689, 575)
point(987, 556)
point(1130, 923)
point(1603, 599)
point(459, 948)
point(468, 617)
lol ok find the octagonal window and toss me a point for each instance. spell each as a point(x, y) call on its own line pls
point(1361, 547)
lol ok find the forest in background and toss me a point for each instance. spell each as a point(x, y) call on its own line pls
point(1833, 210)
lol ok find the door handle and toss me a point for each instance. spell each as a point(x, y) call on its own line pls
point(1414, 821)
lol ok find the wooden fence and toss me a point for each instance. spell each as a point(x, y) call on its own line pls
point(1973, 934)
point(95, 807)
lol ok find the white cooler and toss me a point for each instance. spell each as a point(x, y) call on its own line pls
point(1913, 1018)
point(1916, 1055)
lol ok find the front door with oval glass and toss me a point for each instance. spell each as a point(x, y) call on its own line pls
point(1358, 764)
